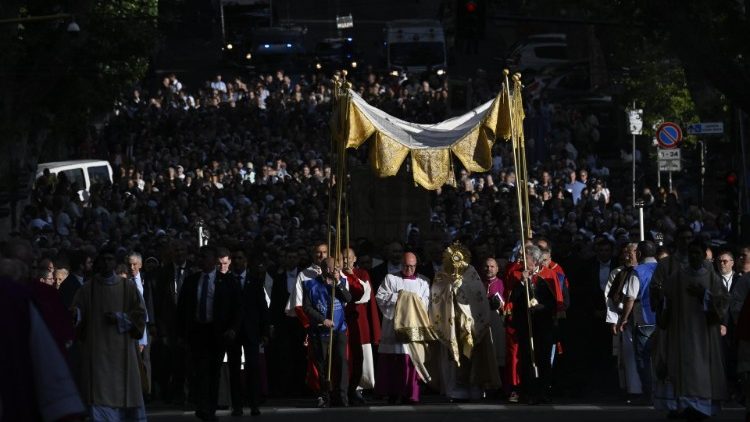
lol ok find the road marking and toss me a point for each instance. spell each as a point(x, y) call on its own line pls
point(392, 408)
point(577, 407)
point(298, 409)
point(482, 407)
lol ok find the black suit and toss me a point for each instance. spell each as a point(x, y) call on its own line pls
point(286, 353)
point(207, 340)
point(253, 328)
point(737, 291)
point(148, 298)
point(170, 367)
point(590, 336)
point(378, 274)
point(68, 289)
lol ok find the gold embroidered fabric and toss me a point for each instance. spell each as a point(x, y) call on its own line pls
point(431, 167)
point(469, 137)
point(459, 312)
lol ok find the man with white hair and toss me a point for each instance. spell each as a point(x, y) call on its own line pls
point(534, 366)
point(146, 289)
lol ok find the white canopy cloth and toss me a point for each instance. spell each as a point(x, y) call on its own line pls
point(469, 137)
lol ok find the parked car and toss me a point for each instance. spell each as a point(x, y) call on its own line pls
point(534, 56)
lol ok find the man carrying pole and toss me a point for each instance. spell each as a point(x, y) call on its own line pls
point(532, 315)
point(328, 330)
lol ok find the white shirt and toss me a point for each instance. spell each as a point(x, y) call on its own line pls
point(291, 280)
point(268, 288)
point(179, 277)
point(630, 289)
point(295, 296)
point(210, 298)
point(242, 278)
point(603, 274)
point(727, 280)
point(139, 284)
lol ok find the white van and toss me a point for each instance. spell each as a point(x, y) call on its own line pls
point(83, 172)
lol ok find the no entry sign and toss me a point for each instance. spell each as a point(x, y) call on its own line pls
point(669, 135)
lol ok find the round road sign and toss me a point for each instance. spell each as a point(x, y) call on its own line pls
point(669, 135)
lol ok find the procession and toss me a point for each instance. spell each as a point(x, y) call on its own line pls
point(466, 209)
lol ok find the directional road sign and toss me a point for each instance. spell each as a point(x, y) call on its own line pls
point(669, 135)
point(706, 128)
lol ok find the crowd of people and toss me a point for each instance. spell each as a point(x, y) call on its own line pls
point(248, 161)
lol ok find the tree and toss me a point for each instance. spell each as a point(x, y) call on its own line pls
point(53, 82)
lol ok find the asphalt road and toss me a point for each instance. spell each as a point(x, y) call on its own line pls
point(452, 413)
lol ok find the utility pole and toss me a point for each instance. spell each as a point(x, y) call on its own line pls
point(635, 118)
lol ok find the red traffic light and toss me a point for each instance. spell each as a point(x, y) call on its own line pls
point(732, 179)
point(471, 6)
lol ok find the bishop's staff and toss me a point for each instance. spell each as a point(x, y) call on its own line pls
point(515, 114)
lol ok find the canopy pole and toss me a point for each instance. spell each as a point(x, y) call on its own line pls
point(516, 139)
point(341, 94)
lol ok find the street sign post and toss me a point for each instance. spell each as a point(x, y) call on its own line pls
point(343, 22)
point(635, 117)
point(670, 160)
point(706, 128)
point(669, 135)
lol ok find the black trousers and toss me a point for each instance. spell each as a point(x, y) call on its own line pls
point(532, 386)
point(207, 354)
point(339, 366)
point(252, 372)
point(287, 359)
point(170, 363)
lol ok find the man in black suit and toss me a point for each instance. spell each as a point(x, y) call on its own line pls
point(145, 286)
point(591, 338)
point(286, 352)
point(81, 264)
point(168, 352)
point(732, 281)
point(208, 319)
point(253, 332)
point(394, 253)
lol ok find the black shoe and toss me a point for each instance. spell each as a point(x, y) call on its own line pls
point(356, 398)
point(392, 399)
point(206, 416)
point(322, 403)
point(237, 412)
point(674, 414)
point(254, 411)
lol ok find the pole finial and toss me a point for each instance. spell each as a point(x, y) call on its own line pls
point(506, 72)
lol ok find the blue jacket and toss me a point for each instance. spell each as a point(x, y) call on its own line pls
point(644, 272)
point(316, 304)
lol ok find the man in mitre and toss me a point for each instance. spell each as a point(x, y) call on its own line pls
point(464, 364)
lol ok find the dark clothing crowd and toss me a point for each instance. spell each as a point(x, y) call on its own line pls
point(125, 272)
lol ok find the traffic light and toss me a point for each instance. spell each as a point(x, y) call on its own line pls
point(471, 6)
point(731, 192)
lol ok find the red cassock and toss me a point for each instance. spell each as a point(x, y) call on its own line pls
point(363, 324)
point(362, 318)
point(512, 279)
